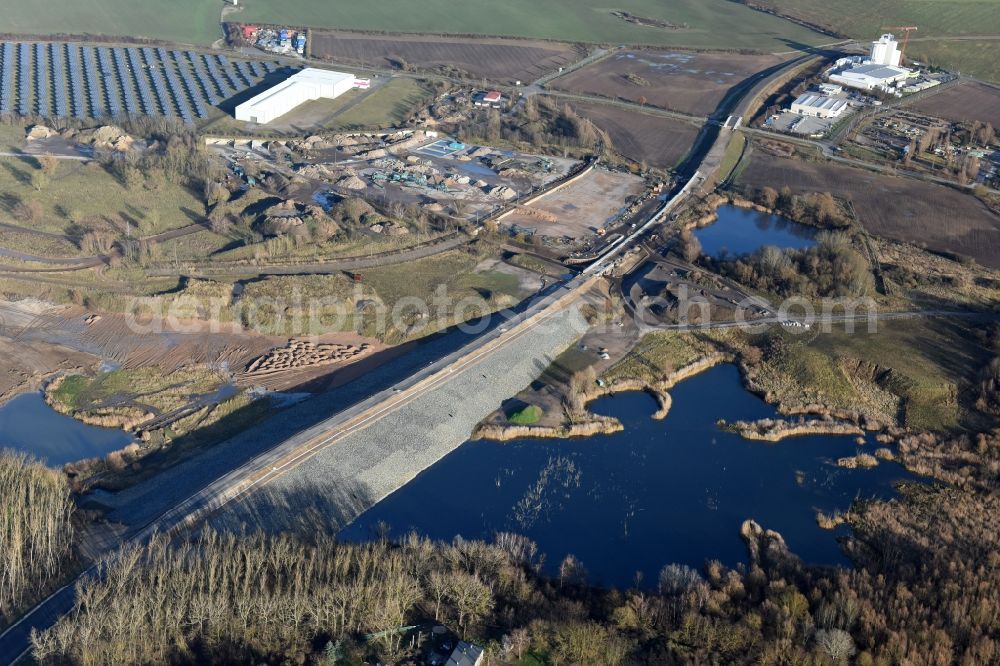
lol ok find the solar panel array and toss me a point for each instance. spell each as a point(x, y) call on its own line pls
point(65, 79)
point(110, 86)
point(41, 89)
point(76, 85)
point(24, 68)
point(94, 93)
point(7, 78)
point(56, 55)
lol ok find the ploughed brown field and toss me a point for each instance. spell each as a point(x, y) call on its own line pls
point(935, 216)
point(642, 137)
point(966, 101)
point(692, 83)
point(498, 60)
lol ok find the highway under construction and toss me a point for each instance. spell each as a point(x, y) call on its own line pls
point(380, 435)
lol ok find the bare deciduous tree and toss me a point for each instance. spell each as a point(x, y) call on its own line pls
point(36, 534)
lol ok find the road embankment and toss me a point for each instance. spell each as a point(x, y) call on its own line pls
point(341, 480)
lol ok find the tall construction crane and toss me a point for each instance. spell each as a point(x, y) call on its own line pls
point(907, 29)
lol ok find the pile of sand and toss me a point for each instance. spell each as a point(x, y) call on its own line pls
point(108, 136)
point(316, 142)
point(351, 182)
point(389, 228)
point(320, 171)
point(501, 192)
point(40, 132)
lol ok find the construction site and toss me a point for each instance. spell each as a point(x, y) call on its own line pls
point(435, 173)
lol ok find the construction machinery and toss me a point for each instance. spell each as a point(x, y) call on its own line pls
point(906, 30)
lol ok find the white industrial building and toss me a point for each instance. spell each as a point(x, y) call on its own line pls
point(304, 86)
point(880, 71)
point(819, 106)
point(885, 51)
point(871, 76)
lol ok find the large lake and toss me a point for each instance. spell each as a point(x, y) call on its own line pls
point(666, 491)
point(741, 231)
point(28, 424)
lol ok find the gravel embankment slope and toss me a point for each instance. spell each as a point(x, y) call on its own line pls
point(337, 484)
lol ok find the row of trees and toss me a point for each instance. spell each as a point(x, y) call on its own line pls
point(819, 209)
point(36, 531)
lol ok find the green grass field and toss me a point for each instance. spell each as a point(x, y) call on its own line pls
point(466, 292)
point(929, 362)
point(70, 192)
point(700, 23)
point(385, 107)
point(183, 21)
point(865, 19)
point(530, 415)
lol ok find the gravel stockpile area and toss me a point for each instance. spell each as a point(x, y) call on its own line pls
point(332, 488)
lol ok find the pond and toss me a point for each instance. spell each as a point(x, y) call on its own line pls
point(666, 491)
point(741, 231)
point(29, 425)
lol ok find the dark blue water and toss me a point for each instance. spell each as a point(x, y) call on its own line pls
point(28, 424)
point(662, 491)
point(740, 231)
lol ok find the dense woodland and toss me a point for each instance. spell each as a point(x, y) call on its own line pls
point(36, 532)
point(926, 591)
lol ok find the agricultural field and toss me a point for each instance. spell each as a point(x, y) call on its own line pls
point(187, 21)
point(967, 56)
point(697, 23)
point(580, 209)
point(67, 80)
point(642, 137)
point(502, 61)
point(938, 23)
point(679, 81)
point(694, 23)
point(934, 216)
point(964, 102)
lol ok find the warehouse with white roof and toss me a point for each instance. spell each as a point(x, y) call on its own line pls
point(307, 85)
point(871, 76)
point(819, 106)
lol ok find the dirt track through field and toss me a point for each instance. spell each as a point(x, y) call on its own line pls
point(680, 81)
point(499, 60)
point(658, 141)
